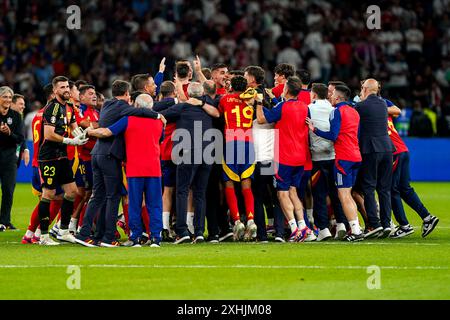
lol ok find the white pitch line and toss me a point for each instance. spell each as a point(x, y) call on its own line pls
point(122, 266)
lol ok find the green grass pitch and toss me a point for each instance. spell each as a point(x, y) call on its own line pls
point(410, 268)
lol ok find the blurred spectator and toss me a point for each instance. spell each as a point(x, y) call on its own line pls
point(420, 125)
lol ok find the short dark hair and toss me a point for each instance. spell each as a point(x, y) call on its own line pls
point(48, 91)
point(207, 73)
point(120, 88)
point(293, 85)
point(239, 83)
point(320, 89)
point(346, 92)
point(134, 95)
point(304, 76)
point(336, 83)
point(16, 97)
point(167, 88)
point(257, 72)
point(80, 83)
point(99, 95)
point(217, 66)
point(139, 81)
point(285, 69)
point(85, 88)
point(182, 69)
point(71, 84)
point(59, 79)
point(236, 72)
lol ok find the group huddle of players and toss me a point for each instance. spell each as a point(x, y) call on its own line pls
point(277, 129)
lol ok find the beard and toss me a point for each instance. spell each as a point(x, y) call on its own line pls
point(65, 96)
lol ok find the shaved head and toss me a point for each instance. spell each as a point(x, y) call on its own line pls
point(370, 86)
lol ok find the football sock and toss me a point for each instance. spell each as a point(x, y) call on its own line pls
point(166, 220)
point(301, 224)
point(83, 211)
point(354, 225)
point(309, 213)
point(55, 206)
point(66, 212)
point(249, 202)
point(232, 203)
point(44, 214)
point(38, 232)
point(34, 220)
point(73, 224)
point(292, 225)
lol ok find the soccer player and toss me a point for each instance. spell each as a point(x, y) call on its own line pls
point(305, 77)
point(33, 233)
point(282, 72)
point(219, 75)
point(87, 116)
point(290, 117)
point(239, 155)
point(142, 139)
point(323, 157)
point(183, 76)
point(344, 128)
point(54, 166)
point(331, 86)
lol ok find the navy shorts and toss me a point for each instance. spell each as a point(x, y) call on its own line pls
point(345, 173)
point(238, 161)
point(169, 173)
point(288, 176)
point(84, 175)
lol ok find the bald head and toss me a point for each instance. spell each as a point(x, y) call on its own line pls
point(144, 100)
point(370, 86)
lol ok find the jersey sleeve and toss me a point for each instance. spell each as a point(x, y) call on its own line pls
point(389, 103)
point(51, 115)
point(335, 127)
point(274, 114)
point(119, 127)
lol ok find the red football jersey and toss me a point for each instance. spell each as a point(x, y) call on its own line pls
point(92, 115)
point(238, 118)
point(304, 96)
point(221, 91)
point(278, 90)
point(36, 126)
point(167, 144)
point(395, 138)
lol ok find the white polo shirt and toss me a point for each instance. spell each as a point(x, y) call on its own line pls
point(321, 149)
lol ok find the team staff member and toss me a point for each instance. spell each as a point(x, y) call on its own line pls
point(11, 135)
point(107, 157)
point(344, 128)
point(142, 139)
point(18, 105)
point(290, 117)
point(376, 168)
point(54, 165)
point(192, 170)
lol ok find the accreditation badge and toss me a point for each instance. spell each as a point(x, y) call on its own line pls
point(9, 121)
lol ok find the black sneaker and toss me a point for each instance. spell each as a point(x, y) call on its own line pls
point(10, 226)
point(372, 232)
point(166, 236)
point(402, 231)
point(429, 226)
point(144, 239)
point(214, 239)
point(181, 239)
point(155, 243)
point(385, 233)
point(354, 237)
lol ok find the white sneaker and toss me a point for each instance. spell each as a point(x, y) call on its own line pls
point(310, 237)
point(280, 239)
point(47, 241)
point(65, 235)
point(324, 234)
point(341, 232)
point(238, 230)
point(250, 231)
